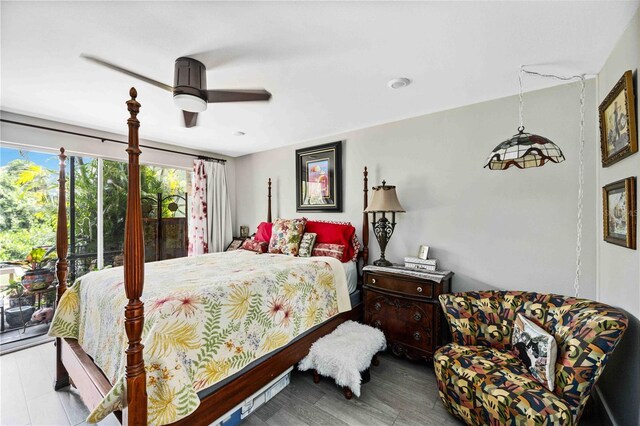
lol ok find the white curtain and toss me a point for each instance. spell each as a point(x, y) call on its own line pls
point(219, 217)
point(210, 228)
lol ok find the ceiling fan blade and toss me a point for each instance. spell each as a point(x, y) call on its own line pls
point(190, 119)
point(237, 95)
point(127, 72)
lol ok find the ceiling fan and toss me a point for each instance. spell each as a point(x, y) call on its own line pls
point(190, 92)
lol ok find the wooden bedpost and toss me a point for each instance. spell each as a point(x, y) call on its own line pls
point(136, 411)
point(269, 201)
point(62, 244)
point(365, 219)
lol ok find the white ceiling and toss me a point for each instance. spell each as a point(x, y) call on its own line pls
point(326, 63)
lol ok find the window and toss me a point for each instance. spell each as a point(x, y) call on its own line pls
point(97, 200)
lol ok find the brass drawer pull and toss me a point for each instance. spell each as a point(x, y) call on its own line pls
point(417, 336)
point(377, 323)
point(373, 280)
point(419, 289)
point(377, 306)
point(417, 316)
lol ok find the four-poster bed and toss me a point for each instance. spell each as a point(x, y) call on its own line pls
point(75, 366)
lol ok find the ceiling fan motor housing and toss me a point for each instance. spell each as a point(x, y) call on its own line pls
point(190, 78)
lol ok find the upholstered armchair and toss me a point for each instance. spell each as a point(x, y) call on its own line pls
point(483, 383)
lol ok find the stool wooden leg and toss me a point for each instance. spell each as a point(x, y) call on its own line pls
point(347, 392)
point(316, 377)
point(375, 361)
point(366, 376)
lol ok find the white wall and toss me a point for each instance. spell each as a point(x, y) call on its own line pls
point(619, 267)
point(513, 229)
point(12, 135)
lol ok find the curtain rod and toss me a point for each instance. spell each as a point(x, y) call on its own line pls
point(199, 157)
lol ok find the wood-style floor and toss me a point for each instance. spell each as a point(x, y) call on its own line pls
point(400, 392)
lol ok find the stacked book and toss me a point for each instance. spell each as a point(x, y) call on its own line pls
point(420, 264)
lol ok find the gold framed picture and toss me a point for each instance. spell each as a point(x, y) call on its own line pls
point(619, 212)
point(618, 131)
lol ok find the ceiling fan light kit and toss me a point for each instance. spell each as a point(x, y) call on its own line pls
point(190, 85)
point(189, 90)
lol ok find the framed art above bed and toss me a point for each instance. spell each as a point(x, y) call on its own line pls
point(319, 178)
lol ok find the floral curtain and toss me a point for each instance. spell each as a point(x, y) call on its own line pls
point(198, 229)
point(210, 228)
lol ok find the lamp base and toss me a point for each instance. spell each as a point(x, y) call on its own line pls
point(382, 262)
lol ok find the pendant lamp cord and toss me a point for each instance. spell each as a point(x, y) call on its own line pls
point(581, 77)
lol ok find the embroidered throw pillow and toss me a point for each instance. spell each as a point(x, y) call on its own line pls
point(286, 236)
point(331, 250)
point(306, 245)
point(254, 245)
point(537, 349)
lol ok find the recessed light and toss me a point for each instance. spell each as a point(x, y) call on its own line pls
point(399, 83)
point(238, 133)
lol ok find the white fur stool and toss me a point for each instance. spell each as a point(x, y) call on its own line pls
point(344, 354)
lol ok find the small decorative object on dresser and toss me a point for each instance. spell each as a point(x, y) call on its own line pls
point(423, 253)
point(618, 133)
point(404, 305)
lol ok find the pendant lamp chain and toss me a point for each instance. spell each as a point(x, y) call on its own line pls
point(521, 103)
point(576, 282)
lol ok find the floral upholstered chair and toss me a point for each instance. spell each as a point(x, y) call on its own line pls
point(483, 383)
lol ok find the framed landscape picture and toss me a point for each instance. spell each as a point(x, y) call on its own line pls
point(618, 131)
point(619, 212)
point(319, 178)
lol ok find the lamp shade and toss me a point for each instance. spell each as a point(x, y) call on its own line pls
point(384, 199)
point(524, 150)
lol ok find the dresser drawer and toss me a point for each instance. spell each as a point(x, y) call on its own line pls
point(401, 320)
point(400, 285)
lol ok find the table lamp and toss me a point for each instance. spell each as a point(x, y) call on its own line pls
point(384, 200)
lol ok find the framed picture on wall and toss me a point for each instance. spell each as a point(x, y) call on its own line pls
point(619, 212)
point(618, 131)
point(319, 178)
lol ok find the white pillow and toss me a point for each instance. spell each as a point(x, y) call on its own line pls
point(537, 349)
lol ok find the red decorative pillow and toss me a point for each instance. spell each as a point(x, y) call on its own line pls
point(331, 250)
point(255, 245)
point(264, 232)
point(341, 233)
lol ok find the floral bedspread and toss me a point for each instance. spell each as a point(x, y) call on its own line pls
point(206, 317)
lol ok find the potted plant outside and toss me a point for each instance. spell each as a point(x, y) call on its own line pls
point(20, 306)
point(38, 277)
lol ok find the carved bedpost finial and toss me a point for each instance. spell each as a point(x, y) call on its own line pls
point(133, 105)
point(61, 151)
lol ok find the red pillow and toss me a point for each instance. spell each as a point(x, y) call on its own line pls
point(334, 233)
point(264, 232)
point(331, 250)
point(253, 245)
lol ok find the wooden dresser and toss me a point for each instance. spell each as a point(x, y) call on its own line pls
point(407, 310)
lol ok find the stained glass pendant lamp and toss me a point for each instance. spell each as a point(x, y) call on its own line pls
point(523, 150)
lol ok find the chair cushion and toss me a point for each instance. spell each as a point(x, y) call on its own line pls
point(490, 386)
